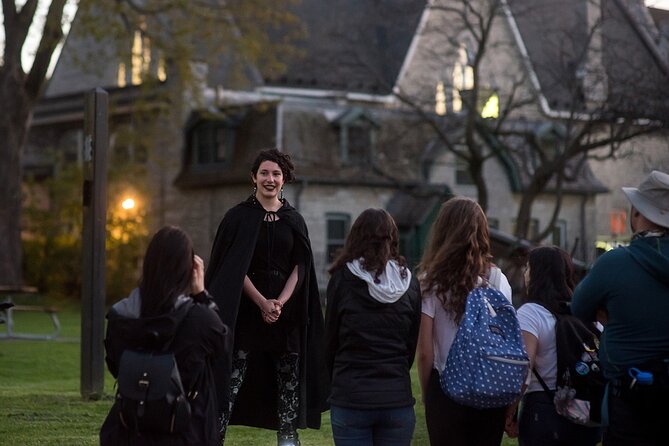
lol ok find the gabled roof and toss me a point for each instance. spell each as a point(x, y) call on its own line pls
point(556, 40)
point(349, 45)
point(352, 45)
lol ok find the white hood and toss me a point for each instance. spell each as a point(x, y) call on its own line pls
point(391, 285)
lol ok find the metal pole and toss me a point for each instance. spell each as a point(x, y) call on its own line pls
point(93, 244)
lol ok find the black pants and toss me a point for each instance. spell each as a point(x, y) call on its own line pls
point(450, 423)
point(638, 418)
point(540, 425)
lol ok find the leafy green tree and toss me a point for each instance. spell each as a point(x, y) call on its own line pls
point(184, 30)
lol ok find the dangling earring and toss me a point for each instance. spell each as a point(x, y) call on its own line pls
point(255, 189)
point(281, 197)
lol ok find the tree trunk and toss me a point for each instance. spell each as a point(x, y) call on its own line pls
point(13, 130)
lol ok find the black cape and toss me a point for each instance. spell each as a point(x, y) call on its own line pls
point(231, 255)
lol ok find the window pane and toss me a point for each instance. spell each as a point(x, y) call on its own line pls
point(358, 143)
point(337, 229)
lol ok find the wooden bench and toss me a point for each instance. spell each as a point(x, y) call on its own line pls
point(10, 292)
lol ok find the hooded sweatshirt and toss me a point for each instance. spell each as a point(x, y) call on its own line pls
point(390, 285)
point(371, 332)
point(196, 335)
point(632, 285)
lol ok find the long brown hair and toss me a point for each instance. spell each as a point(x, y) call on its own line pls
point(167, 271)
point(374, 239)
point(550, 283)
point(457, 253)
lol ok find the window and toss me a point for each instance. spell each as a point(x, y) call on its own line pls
point(337, 228)
point(359, 144)
point(560, 234)
point(440, 99)
point(463, 77)
point(357, 136)
point(532, 230)
point(212, 142)
point(462, 175)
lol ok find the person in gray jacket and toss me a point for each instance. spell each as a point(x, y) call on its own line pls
point(371, 330)
point(629, 288)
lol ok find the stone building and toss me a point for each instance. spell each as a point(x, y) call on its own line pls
point(337, 111)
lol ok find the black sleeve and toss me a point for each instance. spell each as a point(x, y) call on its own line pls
point(219, 247)
point(331, 322)
point(414, 289)
point(113, 349)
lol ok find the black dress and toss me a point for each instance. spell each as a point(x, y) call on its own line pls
point(272, 263)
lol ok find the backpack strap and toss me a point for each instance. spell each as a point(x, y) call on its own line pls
point(543, 383)
point(495, 277)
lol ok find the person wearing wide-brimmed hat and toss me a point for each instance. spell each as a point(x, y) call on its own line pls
point(631, 285)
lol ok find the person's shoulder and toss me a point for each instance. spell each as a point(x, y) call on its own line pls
point(201, 313)
point(532, 308)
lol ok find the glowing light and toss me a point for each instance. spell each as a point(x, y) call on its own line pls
point(128, 204)
point(491, 108)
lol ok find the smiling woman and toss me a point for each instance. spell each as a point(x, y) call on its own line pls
point(262, 273)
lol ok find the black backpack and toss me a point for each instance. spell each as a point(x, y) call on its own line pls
point(580, 382)
point(150, 396)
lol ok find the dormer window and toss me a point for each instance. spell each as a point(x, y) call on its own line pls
point(357, 136)
point(212, 142)
point(463, 77)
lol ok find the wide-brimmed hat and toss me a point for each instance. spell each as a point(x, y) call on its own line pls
point(651, 198)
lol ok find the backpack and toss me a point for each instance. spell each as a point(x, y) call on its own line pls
point(487, 363)
point(150, 396)
point(580, 382)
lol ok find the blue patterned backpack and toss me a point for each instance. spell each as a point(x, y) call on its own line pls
point(487, 363)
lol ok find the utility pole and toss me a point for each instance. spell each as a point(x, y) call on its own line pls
point(96, 139)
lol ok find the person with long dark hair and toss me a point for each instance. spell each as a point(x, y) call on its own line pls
point(262, 274)
point(549, 284)
point(457, 258)
point(371, 330)
point(170, 307)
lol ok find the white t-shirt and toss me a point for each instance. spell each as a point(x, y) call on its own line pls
point(444, 327)
point(538, 321)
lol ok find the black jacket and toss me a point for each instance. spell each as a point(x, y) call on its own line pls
point(231, 254)
point(198, 338)
point(370, 346)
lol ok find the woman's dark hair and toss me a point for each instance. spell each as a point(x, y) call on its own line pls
point(550, 284)
point(374, 239)
point(282, 159)
point(167, 271)
point(457, 253)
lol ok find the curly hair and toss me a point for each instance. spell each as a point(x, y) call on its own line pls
point(457, 254)
point(374, 239)
point(282, 159)
point(551, 281)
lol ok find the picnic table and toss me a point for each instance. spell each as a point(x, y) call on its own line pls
point(8, 307)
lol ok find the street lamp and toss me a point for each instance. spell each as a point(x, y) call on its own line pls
point(128, 204)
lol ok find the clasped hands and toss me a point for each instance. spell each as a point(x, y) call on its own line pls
point(271, 310)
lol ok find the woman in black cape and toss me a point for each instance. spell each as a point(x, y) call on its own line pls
point(262, 273)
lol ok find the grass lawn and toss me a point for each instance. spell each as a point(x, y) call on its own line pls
point(40, 402)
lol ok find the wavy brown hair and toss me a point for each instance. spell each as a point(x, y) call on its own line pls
point(374, 239)
point(457, 253)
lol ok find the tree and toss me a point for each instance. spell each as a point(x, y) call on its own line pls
point(185, 30)
point(493, 89)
